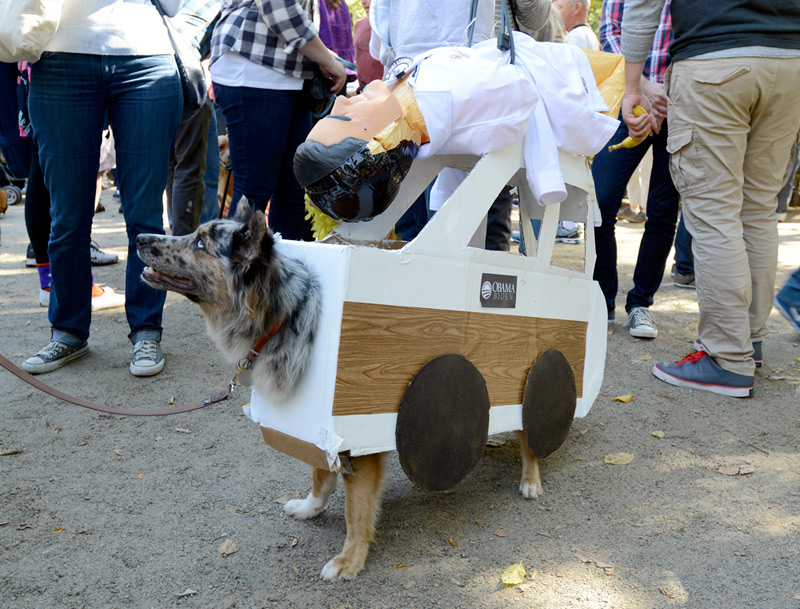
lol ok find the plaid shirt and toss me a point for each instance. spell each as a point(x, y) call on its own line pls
point(194, 18)
point(611, 37)
point(269, 32)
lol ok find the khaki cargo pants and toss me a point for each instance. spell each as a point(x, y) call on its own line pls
point(732, 125)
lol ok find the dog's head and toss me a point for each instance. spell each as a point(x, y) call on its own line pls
point(212, 264)
point(224, 151)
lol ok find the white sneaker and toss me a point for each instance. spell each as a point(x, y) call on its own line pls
point(642, 323)
point(44, 298)
point(107, 300)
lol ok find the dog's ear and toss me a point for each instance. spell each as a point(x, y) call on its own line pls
point(252, 242)
point(243, 211)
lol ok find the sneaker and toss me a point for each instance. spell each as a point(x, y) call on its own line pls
point(564, 235)
point(100, 208)
point(147, 358)
point(638, 218)
point(107, 300)
point(758, 354)
point(30, 257)
point(611, 315)
point(625, 212)
point(101, 258)
point(791, 313)
point(642, 323)
point(53, 356)
point(116, 196)
point(44, 298)
point(698, 370)
point(683, 281)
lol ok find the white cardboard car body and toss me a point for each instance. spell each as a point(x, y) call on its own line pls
point(388, 309)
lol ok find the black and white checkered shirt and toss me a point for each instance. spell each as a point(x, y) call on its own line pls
point(269, 32)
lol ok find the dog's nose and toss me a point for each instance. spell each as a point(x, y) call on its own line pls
point(143, 239)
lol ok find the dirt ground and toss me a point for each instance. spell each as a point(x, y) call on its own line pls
point(100, 511)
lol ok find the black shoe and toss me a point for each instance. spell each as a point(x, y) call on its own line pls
point(30, 257)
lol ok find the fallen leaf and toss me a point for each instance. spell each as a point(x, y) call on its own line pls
point(4, 524)
point(666, 592)
point(494, 443)
point(118, 452)
point(23, 526)
point(543, 533)
point(500, 533)
point(8, 453)
point(514, 575)
point(609, 570)
point(227, 547)
point(736, 470)
point(398, 565)
point(58, 530)
point(645, 357)
point(618, 458)
point(187, 592)
point(179, 430)
point(237, 511)
point(451, 542)
point(171, 401)
point(657, 434)
point(479, 523)
point(137, 475)
point(625, 398)
point(534, 575)
point(295, 541)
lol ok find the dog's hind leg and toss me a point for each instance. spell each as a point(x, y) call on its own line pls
point(531, 483)
point(363, 490)
point(322, 487)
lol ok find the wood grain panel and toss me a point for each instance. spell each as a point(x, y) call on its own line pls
point(383, 346)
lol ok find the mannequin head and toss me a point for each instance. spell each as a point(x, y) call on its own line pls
point(353, 160)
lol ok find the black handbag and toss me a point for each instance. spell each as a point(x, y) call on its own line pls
point(193, 80)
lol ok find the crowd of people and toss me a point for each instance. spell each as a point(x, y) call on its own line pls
point(720, 143)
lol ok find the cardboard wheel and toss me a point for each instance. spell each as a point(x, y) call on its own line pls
point(548, 403)
point(442, 423)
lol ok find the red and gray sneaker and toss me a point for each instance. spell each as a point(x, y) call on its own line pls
point(698, 370)
point(758, 354)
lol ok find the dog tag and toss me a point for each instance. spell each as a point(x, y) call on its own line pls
point(245, 376)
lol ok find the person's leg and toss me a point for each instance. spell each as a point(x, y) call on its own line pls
point(611, 172)
point(287, 209)
point(786, 190)
point(714, 139)
point(188, 164)
point(770, 143)
point(37, 210)
point(144, 108)
point(66, 106)
point(261, 123)
point(787, 301)
point(659, 231)
point(210, 209)
point(684, 259)
point(498, 224)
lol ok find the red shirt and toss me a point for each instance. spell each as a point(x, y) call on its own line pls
point(367, 66)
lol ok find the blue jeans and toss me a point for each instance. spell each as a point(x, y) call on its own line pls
point(684, 259)
point(70, 94)
point(210, 209)
point(611, 172)
point(265, 127)
point(790, 292)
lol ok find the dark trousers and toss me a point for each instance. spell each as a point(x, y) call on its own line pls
point(611, 172)
point(187, 167)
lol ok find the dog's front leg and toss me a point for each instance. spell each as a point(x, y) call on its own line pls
point(530, 485)
point(363, 490)
point(322, 487)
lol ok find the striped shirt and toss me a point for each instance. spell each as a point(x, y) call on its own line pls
point(611, 38)
point(269, 32)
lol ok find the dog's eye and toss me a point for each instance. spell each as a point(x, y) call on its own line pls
point(198, 244)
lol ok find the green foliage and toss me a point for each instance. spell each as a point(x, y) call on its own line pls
point(357, 11)
point(594, 15)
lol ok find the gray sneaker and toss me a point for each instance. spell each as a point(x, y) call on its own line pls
point(642, 323)
point(53, 356)
point(684, 281)
point(147, 358)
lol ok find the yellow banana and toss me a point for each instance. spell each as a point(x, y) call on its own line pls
point(629, 142)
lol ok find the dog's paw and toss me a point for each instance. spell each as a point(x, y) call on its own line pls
point(341, 567)
point(530, 490)
point(303, 509)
